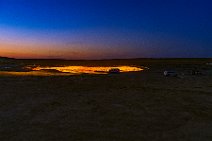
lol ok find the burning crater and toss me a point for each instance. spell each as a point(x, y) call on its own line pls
point(88, 70)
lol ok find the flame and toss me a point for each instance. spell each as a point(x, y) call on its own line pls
point(89, 70)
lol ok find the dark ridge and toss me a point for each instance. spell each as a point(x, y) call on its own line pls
point(6, 58)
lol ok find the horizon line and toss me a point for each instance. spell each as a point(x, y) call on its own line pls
point(63, 59)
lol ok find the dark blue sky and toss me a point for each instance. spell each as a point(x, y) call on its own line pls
point(90, 29)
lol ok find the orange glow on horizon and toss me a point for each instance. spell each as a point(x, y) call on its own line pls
point(39, 51)
point(48, 51)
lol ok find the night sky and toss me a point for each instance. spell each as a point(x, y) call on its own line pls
point(105, 29)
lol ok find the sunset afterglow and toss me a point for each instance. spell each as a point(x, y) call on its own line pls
point(106, 70)
point(96, 30)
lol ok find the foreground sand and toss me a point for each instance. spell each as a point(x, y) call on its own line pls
point(137, 106)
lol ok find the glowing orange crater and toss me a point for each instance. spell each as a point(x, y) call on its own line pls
point(87, 69)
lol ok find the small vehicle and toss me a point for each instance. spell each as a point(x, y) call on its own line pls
point(210, 64)
point(196, 72)
point(170, 73)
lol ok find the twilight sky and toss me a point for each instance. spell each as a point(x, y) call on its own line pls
point(105, 29)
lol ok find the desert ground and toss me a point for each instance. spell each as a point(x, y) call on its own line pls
point(134, 106)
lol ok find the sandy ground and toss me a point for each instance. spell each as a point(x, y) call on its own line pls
point(138, 106)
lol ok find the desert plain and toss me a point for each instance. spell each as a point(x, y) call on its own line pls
point(132, 106)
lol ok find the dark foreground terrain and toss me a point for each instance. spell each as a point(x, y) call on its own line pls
point(136, 106)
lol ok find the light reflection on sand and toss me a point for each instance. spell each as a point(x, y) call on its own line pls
point(88, 70)
point(31, 73)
